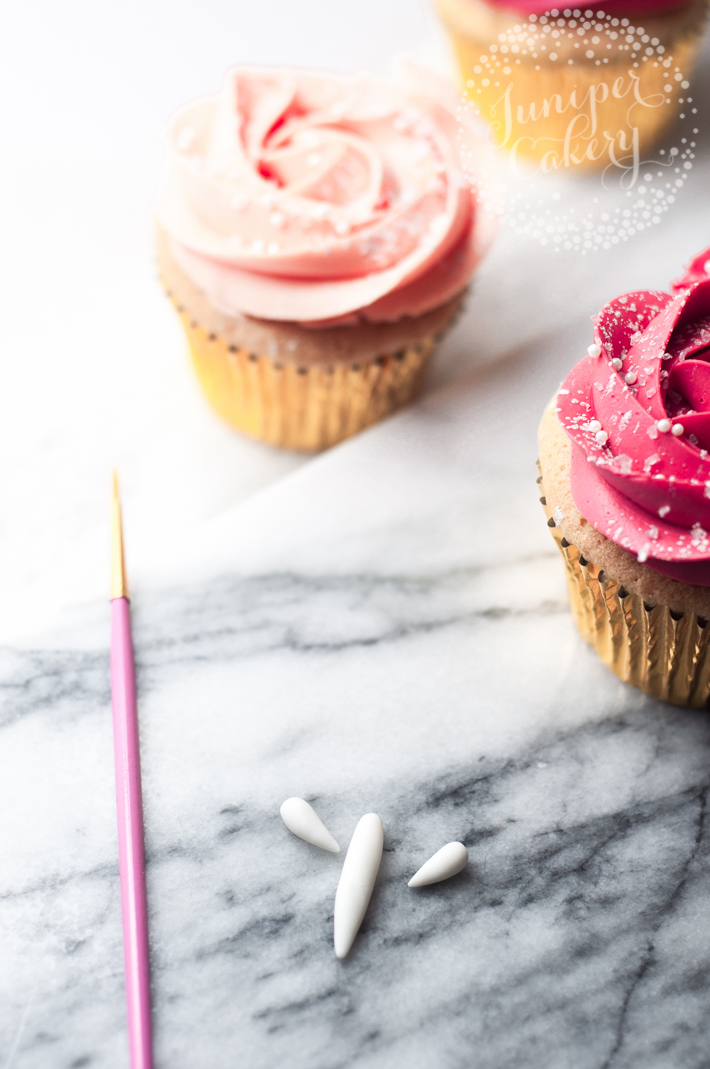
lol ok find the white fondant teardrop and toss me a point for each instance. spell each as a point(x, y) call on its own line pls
point(302, 819)
point(357, 881)
point(445, 863)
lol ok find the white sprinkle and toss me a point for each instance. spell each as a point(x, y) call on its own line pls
point(664, 510)
point(616, 364)
point(706, 267)
point(643, 553)
point(342, 227)
point(698, 536)
point(257, 246)
point(677, 429)
point(594, 350)
point(664, 425)
point(594, 425)
point(652, 532)
point(441, 866)
point(272, 248)
point(601, 437)
point(630, 378)
point(277, 220)
point(652, 431)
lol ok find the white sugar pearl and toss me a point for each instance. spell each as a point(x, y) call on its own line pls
point(630, 378)
point(664, 425)
point(706, 267)
point(594, 350)
point(601, 437)
point(594, 426)
point(616, 364)
point(677, 429)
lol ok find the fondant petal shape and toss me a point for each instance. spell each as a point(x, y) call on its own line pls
point(445, 863)
point(302, 819)
point(357, 881)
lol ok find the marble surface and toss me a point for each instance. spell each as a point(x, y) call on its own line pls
point(382, 628)
point(386, 630)
point(94, 373)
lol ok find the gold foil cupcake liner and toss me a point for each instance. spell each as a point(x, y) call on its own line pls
point(307, 408)
point(532, 87)
point(663, 653)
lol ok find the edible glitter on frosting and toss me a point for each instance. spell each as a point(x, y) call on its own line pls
point(640, 432)
point(313, 197)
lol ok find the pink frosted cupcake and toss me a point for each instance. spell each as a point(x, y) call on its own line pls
point(625, 477)
point(317, 237)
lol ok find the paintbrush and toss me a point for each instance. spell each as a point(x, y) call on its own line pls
point(131, 851)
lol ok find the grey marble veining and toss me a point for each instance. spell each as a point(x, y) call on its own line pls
point(386, 629)
point(457, 702)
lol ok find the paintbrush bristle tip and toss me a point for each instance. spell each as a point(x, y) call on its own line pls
point(119, 583)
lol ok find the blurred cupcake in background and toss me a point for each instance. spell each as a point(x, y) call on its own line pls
point(581, 87)
point(316, 237)
point(625, 481)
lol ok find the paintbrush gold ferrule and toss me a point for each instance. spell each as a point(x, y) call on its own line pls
point(119, 583)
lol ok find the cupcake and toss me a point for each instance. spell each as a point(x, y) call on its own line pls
point(316, 236)
point(625, 482)
point(576, 87)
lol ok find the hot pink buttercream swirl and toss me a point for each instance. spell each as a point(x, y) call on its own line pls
point(611, 7)
point(638, 415)
point(312, 197)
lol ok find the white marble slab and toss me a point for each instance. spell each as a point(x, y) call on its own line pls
point(386, 630)
point(94, 372)
point(383, 629)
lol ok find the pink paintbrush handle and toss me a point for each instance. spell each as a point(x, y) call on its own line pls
point(131, 854)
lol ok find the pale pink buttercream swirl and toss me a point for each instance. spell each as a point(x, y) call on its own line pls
point(638, 415)
point(312, 197)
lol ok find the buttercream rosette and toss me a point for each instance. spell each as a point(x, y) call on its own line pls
point(321, 199)
point(638, 416)
point(317, 221)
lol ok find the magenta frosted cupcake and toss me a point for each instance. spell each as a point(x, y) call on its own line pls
point(625, 479)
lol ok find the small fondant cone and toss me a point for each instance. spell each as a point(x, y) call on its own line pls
point(357, 880)
point(302, 819)
point(445, 863)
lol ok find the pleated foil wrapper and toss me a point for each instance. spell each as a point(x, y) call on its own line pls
point(663, 653)
point(534, 83)
point(305, 408)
